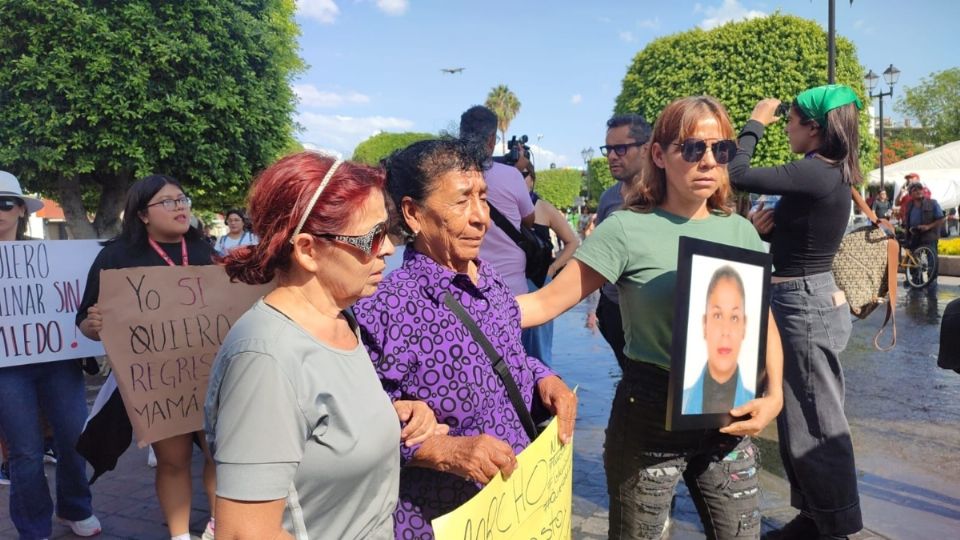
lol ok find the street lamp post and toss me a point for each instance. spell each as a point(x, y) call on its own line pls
point(890, 76)
point(587, 155)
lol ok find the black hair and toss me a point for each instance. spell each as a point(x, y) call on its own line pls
point(726, 272)
point(133, 232)
point(839, 139)
point(413, 171)
point(640, 129)
point(477, 124)
point(22, 221)
point(236, 211)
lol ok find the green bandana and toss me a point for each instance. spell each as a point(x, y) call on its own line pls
point(817, 102)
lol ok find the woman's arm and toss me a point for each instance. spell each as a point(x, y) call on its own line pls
point(764, 409)
point(92, 324)
point(240, 520)
point(478, 458)
point(565, 233)
point(573, 284)
point(420, 423)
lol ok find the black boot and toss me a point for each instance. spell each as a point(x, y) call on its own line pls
point(799, 528)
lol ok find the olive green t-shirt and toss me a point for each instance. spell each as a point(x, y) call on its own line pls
point(638, 252)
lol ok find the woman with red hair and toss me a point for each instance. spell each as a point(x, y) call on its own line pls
point(304, 438)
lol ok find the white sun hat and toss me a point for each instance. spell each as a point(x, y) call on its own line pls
point(10, 187)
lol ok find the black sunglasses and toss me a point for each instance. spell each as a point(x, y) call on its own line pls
point(9, 203)
point(692, 150)
point(369, 243)
point(619, 149)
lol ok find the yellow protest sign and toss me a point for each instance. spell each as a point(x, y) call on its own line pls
point(534, 503)
point(162, 328)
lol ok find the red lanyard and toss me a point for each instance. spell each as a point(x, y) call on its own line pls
point(183, 251)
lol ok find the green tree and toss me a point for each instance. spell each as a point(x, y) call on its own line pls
point(94, 95)
point(598, 179)
point(504, 103)
point(740, 63)
point(559, 186)
point(935, 102)
point(381, 145)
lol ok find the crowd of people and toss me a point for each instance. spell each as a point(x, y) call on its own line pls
point(351, 404)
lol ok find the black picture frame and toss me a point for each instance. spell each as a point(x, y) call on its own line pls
point(699, 263)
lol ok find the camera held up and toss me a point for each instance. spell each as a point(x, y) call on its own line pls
point(514, 147)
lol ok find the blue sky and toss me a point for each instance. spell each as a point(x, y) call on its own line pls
point(375, 64)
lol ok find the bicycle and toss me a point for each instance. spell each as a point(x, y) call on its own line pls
point(919, 265)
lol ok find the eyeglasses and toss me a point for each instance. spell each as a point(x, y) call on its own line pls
point(619, 149)
point(692, 150)
point(172, 204)
point(369, 243)
point(9, 203)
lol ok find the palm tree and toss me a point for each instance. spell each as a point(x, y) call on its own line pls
point(505, 105)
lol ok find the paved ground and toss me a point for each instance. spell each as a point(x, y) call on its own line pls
point(905, 418)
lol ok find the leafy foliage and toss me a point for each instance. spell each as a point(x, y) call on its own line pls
point(895, 150)
point(381, 145)
point(559, 186)
point(95, 94)
point(935, 102)
point(598, 179)
point(504, 103)
point(741, 63)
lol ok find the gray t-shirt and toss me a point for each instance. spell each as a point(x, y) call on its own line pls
point(289, 417)
point(611, 200)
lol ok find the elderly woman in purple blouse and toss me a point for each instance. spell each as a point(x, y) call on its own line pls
point(423, 351)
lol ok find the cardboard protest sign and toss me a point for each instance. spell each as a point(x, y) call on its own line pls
point(162, 328)
point(41, 284)
point(535, 502)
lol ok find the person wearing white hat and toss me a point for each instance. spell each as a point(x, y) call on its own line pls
point(55, 389)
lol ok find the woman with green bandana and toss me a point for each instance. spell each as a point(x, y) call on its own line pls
point(805, 230)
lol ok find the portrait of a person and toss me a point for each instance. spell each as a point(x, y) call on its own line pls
point(720, 386)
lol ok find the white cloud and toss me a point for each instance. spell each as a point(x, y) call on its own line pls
point(542, 158)
point(576, 99)
point(730, 10)
point(652, 24)
point(627, 37)
point(311, 96)
point(393, 7)
point(861, 25)
point(325, 11)
point(345, 132)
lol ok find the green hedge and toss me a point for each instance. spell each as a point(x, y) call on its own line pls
point(381, 145)
point(559, 186)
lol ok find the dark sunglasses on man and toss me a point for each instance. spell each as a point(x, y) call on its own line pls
point(693, 150)
point(619, 149)
point(9, 203)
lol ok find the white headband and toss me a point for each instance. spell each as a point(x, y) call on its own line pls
point(316, 195)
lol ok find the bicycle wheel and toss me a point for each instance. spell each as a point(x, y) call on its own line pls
point(925, 270)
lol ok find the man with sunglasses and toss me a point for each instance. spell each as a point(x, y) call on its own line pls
point(626, 145)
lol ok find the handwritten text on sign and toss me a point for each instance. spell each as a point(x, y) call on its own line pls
point(162, 327)
point(41, 284)
point(534, 503)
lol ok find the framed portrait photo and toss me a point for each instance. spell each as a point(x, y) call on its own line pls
point(719, 333)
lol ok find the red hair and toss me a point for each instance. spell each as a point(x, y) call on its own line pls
point(277, 200)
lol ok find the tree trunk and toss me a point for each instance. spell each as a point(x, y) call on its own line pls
point(71, 200)
point(113, 197)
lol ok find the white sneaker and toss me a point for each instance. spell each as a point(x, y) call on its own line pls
point(84, 527)
point(151, 458)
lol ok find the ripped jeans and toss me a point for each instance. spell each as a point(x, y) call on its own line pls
point(644, 462)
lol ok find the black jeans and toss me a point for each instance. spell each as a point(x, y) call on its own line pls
point(611, 327)
point(644, 462)
point(815, 439)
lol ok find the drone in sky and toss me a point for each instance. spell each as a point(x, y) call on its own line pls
point(451, 71)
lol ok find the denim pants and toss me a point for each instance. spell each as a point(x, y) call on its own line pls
point(538, 340)
point(57, 389)
point(815, 439)
point(644, 462)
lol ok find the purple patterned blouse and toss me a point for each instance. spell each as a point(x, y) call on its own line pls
point(422, 351)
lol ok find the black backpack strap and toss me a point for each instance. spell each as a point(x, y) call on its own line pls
point(501, 221)
point(498, 364)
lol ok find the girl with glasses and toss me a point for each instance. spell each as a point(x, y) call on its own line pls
point(29, 392)
point(156, 231)
point(683, 191)
point(237, 234)
point(305, 440)
point(805, 233)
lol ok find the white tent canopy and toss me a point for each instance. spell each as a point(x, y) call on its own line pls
point(939, 170)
